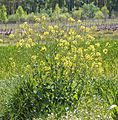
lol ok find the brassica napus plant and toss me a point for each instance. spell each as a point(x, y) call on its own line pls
point(60, 68)
point(68, 43)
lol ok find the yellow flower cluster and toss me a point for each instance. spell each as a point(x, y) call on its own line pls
point(43, 49)
point(1, 41)
point(28, 43)
point(71, 20)
point(74, 48)
point(12, 63)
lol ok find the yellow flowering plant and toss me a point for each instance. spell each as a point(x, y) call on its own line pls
point(60, 66)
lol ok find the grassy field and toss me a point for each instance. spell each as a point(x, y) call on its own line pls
point(57, 73)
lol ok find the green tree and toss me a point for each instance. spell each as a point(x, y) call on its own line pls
point(36, 5)
point(77, 14)
point(57, 12)
point(89, 10)
point(99, 15)
point(105, 11)
point(20, 13)
point(70, 4)
point(3, 14)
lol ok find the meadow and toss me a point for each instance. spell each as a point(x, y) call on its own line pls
point(50, 72)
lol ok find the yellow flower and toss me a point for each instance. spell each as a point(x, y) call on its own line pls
point(107, 44)
point(100, 69)
point(91, 47)
point(71, 19)
point(89, 37)
point(28, 67)
point(97, 44)
point(10, 58)
point(21, 41)
point(65, 36)
point(56, 27)
point(42, 63)
point(71, 32)
point(95, 65)
point(50, 28)
point(67, 62)
point(19, 44)
point(100, 64)
point(33, 58)
point(30, 41)
point(61, 31)
point(63, 43)
point(1, 41)
point(36, 25)
point(11, 36)
point(105, 51)
point(53, 31)
point(93, 28)
point(37, 19)
point(74, 42)
point(27, 45)
point(79, 21)
point(46, 33)
point(85, 50)
point(78, 37)
point(87, 29)
point(43, 17)
point(43, 28)
point(57, 57)
point(13, 64)
point(98, 54)
point(41, 37)
point(87, 43)
point(80, 50)
point(73, 48)
point(32, 44)
point(47, 68)
point(74, 57)
point(43, 48)
point(82, 28)
point(88, 57)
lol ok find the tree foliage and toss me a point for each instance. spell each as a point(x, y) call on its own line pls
point(99, 15)
point(89, 10)
point(36, 5)
point(20, 13)
point(105, 11)
point(3, 14)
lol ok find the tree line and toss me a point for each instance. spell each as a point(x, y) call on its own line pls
point(37, 6)
point(26, 10)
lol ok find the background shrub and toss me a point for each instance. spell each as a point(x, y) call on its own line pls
point(21, 14)
point(89, 10)
point(77, 14)
point(30, 17)
point(99, 15)
point(3, 14)
point(56, 12)
point(12, 18)
point(64, 17)
point(105, 12)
